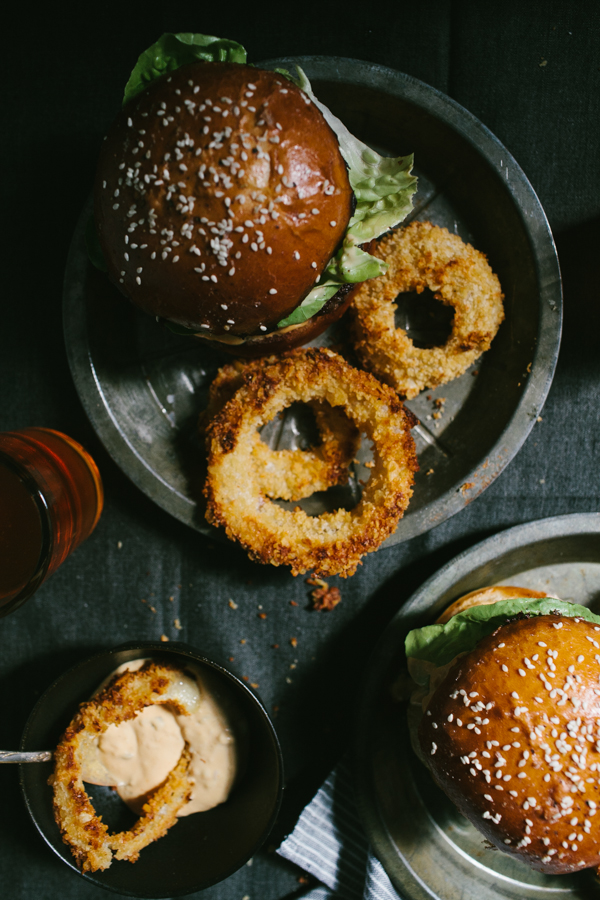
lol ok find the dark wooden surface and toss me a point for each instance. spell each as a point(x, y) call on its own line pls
point(531, 73)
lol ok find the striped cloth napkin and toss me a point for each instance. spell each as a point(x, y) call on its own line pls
point(329, 843)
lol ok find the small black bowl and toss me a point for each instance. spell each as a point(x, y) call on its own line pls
point(200, 849)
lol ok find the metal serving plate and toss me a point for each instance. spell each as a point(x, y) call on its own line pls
point(142, 387)
point(427, 848)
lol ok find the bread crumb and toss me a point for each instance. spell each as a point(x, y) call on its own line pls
point(177, 624)
point(232, 605)
point(294, 642)
point(163, 637)
point(325, 597)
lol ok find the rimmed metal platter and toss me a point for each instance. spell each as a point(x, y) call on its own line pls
point(143, 387)
point(427, 848)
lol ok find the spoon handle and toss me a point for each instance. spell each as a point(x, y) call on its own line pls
point(16, 756)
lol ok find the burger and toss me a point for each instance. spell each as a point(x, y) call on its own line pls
point(506, 717)
point(232, 205)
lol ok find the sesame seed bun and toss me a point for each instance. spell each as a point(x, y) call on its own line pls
point(511, 733)
point(220, 197)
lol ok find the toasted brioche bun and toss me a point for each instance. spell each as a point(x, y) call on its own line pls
point(220, 197)
point(512, 735)
point(483, 597)
point(282, 339)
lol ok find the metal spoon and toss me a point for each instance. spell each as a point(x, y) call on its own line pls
point(16, 756)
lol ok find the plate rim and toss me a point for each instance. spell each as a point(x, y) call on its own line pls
point(442, 580)
point(350, 71)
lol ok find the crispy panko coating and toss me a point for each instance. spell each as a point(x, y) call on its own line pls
point(331, 543)
point(83, 830)
point(422, 256)
point(291, 474)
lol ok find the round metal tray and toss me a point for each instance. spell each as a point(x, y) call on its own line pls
point(142, 387)
point(427, 848)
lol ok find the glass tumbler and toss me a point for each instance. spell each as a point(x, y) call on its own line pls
point(51, 497)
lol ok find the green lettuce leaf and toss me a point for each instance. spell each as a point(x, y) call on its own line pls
point(439, 644)
point(383, 187)
point(174, 50)
point(312, 304)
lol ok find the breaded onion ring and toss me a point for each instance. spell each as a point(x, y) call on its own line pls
point(424, 256)
point(291, 474)
point(81, 828)
point(331, 543)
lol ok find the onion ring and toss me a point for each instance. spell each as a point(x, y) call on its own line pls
point(331, 543)
point(422, 256)
point(291, 474)
point(81, 828)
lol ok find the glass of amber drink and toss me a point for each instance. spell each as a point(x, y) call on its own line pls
point(51, 497)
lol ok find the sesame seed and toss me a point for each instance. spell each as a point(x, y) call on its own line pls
point(274, 291)
point(333, 223)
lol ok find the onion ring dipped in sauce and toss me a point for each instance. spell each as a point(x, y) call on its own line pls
point(82, 829)
point(422, 256)
point(334, 542)
point(290, 474)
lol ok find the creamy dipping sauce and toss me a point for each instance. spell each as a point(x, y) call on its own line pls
point(137, 755)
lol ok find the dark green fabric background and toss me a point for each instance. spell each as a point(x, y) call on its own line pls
point(62, 78)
